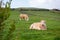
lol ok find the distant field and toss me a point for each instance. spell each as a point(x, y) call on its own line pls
point(23, 32)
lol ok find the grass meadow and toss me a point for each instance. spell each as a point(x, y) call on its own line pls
point(22, 31)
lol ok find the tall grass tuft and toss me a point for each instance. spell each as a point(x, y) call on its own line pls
point(11, 30)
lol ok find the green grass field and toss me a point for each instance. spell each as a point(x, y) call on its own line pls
point(22, 31)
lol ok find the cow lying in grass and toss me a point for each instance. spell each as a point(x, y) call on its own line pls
point(39, 25)
point(24, 16)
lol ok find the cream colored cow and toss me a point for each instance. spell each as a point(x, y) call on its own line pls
point(24, 16)
point(39, 25)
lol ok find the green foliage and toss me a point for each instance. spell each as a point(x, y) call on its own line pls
point(4, 14)
point(9, 36)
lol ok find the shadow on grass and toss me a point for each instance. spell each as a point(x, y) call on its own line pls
point(57, 38)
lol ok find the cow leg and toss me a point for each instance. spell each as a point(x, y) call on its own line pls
point(31, 27)
point(26, 18)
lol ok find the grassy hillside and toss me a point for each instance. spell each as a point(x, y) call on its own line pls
point(23, 32)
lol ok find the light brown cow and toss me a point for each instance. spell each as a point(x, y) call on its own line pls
point(39, 25)
point(24, 16)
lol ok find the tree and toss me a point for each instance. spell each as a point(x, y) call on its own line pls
point(4, 14)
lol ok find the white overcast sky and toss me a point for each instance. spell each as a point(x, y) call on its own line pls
point(35, 3)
